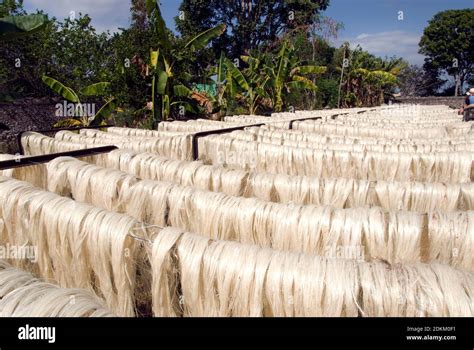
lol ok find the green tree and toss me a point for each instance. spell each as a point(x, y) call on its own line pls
point(130, 50)
point(250, 23)
point(447, 42)
point(170, 82)
point(312, 46)
point(11, 8)
point(71, 50)
point(15, 25)
point(417, 81)
point(367, 79)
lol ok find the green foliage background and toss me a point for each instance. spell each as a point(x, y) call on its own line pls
point(73, 52)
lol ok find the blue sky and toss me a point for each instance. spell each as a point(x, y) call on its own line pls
point(373, 24)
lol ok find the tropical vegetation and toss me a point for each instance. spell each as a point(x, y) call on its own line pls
point(224, 58)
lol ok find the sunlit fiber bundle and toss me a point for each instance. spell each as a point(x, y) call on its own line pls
point(34, 174)
point(436, 167)
point(454, 128)
point(192, 126)
point(78, 246)
point(194, 174)
point(237, 280)
point(269, 131)
point(130, 132)
point(424, 196)
point(196, 276)
point(280, 188)
point(22, 295)
point(111, 137)
point(417, 290)
point(88, 183)
point(352, 147)
point(456, 230)
point(36, 144)
point(370, 131)
point(178, 147)
point(393, 236)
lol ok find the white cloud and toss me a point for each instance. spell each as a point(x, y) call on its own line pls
point(105, 14)
point(362, 36)
point(399, 43)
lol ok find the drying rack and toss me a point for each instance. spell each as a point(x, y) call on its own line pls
point(82, 153)
point(45, 158)
point(197, 136)
point(49, 131)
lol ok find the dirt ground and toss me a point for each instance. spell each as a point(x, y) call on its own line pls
point(24, 115)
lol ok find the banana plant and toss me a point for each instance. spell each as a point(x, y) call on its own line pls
point(286, 73)
point(226, 84)
point(368, 78)
point(249, 81)
point(13, 27)
point(169, 84)
point(83, 119)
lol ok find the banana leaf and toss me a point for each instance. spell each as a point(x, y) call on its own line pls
point(61, 89)
point(97, 89)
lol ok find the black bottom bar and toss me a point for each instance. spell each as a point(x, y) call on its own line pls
point(382, 332)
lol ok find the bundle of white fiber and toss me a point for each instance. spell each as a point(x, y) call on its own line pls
point(189, 126)
point(22, 295)
point(344, 130)
point(455, 127)
point(193, 126)
point(194, 174)
point(195, 276)
point(110, 137)
point(336, 192)
point(312, 140)
point(438, 167)
point(101, 136)
point(130, 132)
point(109, 189)
point(269, 131)
point(391, 121)
point(34, 174)
point(71, 136)
point(458, 229)
point(406, 148)
point(88, 183)
point(78, 245)
point(396, 121)
point(36, 144)
point(177, 147)
point(393, 236)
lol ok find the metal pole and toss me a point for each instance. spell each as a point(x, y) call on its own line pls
point(45, 158)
